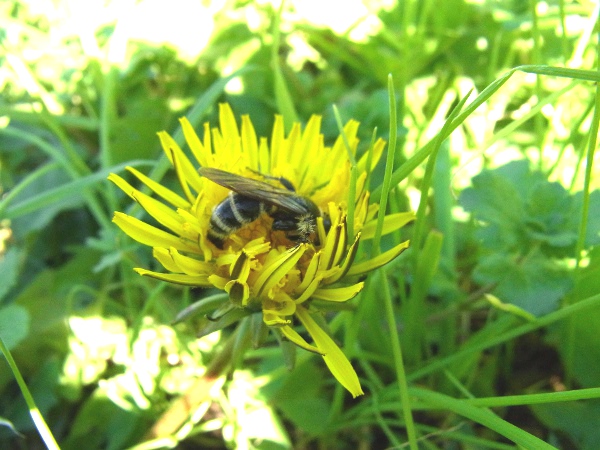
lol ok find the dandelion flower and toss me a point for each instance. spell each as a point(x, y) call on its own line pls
point(263, 267)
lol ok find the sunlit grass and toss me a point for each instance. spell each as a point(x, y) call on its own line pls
point(487, 309)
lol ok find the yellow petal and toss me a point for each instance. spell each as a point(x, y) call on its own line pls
point(186, 172)
point(240, 267)
point(331, 247)
point(191, 266)
point(339, 294)
point(207, 140)
point(167, 194)
point(335, 359)
point(256, 247)
point(309, 276)
point(309, 149)
point(218, 282)
point(227, 123)
point(275, 320)
point(339, 147)
point(376, 155)
point(176, 278)
point(149, 235)
point(193, 142)
point(294, 337)
point(278, 144)
point(163, 214)
point(273, 272)
point(283, 307)
point(190, 222)
point(362, 210)
point(321, 231)
point(122, 184)
point(163, 256)
point(333, 183)
point(239, 292)
point(264, 156)
point(227, 146)
point(250, 142)
point(391, 222)
point(341, 244)
point(378, 261)
point(309, 291)
point(350, 255)
point(177, 159)
point(290, 146)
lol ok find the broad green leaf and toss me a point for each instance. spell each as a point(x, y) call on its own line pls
point(14, 325)
point(536, 284)
point(547, 215)
point(10, 266)
point(520, 208)
point(496, 199)
point(578, 420)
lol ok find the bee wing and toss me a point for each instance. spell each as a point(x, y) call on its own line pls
point(258, 190)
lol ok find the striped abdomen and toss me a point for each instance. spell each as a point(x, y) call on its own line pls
point(235, 211)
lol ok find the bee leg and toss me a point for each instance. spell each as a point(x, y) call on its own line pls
point(286, 183)
point(283, 222)
point(216, 240)
point(289, 225)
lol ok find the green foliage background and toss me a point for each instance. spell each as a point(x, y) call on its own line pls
point(495, 308)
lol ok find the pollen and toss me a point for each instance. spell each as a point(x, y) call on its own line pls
point(260, 228)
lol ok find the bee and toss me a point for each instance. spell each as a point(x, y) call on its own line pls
point(249, 199)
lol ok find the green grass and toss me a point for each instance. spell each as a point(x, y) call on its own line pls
point(491, 117)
